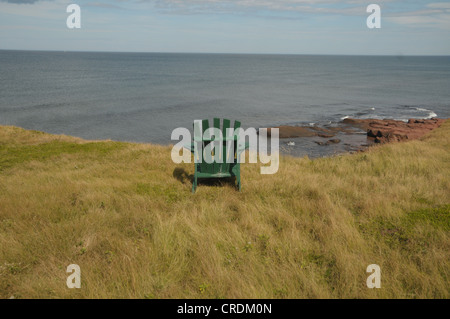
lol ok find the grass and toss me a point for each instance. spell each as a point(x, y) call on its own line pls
point(125, 214)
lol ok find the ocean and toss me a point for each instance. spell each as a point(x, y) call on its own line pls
point(142, 97)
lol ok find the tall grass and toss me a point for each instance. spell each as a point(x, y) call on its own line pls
point(125, 214)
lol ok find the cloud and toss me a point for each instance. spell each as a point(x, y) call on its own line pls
point(49, 10)
point(441, 20)
point(425, 13)
point(350, 7)
point(432, 15)
point(439, 5)
point(102, 5)
point(20, 1)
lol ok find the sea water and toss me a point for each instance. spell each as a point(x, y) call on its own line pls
point(142, 97)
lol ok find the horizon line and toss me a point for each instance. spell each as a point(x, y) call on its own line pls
point(229, 53)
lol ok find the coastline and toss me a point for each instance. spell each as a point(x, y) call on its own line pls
point(355, 135)
point(349, 135)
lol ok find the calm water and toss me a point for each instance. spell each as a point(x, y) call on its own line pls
point(143, 96)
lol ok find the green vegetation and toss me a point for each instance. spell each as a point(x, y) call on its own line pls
point(125, 214)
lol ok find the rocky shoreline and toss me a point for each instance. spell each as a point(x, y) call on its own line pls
point(384, 131)
point(376, 131)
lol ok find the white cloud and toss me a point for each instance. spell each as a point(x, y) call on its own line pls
point(349, 7)
point(439, 5)
point(440, 21)
point(50, 10)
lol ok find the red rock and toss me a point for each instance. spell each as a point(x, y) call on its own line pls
point(325, 135)
point(383, 131)
point(379, 131)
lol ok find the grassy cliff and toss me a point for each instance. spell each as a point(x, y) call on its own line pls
point(125, 214)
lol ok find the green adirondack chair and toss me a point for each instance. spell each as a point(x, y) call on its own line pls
point(220, 167)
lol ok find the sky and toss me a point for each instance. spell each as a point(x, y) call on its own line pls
point(415, 27)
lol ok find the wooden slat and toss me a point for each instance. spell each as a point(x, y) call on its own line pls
point(225, 165)
point(237, 125)
point(205, 167)
point(217, 166)
point(198, 133)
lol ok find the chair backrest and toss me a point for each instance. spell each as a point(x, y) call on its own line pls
point(220, 156)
